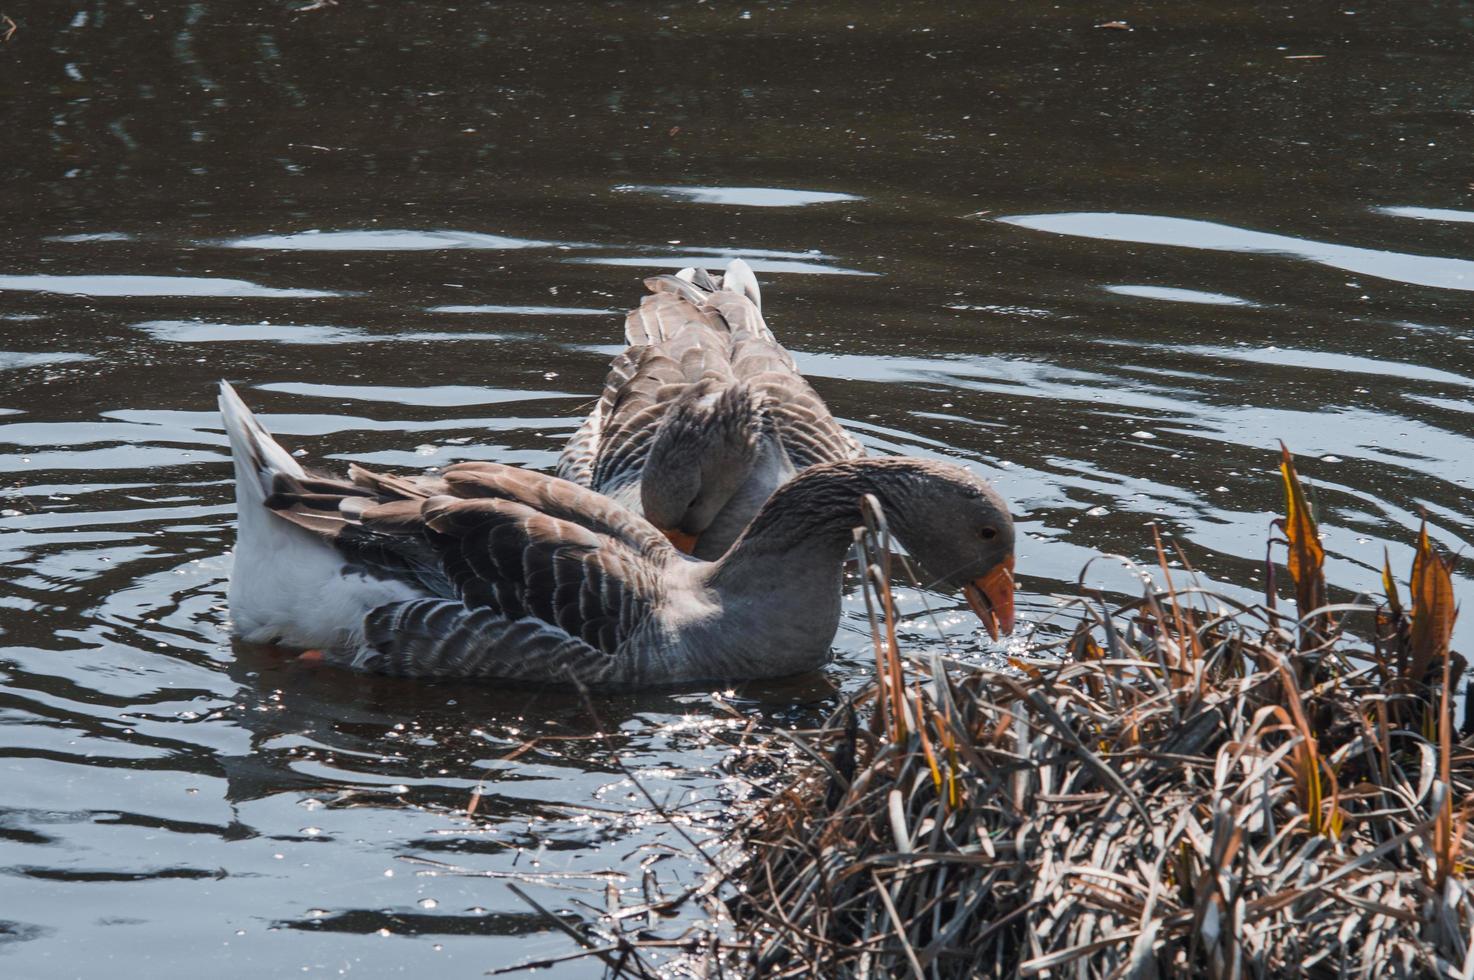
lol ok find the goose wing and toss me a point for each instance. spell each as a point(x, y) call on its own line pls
point(576, 461)
point(530, 577)
point(691, 327)
point(609, 449)
point(677, 338)
point(388, 547)
point(808, 432)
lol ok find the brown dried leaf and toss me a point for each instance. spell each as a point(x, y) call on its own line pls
point(1307, 557)
point(1433, 608)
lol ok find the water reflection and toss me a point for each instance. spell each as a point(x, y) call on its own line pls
point(1148, 229)
point(753, 197)
point(525, 310)
point(12, 360)
point(439, 396)
point(679, 261)
point(95, 285)
point(1429, 214)
point(381, 240)
point(1173, 294)
point(198, 332)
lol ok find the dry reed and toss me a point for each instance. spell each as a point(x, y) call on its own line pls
point(1193, 787)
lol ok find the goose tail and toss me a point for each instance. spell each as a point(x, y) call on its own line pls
point(284, 580)
point(694, 295)
point(740, 278)
point(257, 456)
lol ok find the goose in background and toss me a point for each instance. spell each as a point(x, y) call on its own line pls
point(704, 415)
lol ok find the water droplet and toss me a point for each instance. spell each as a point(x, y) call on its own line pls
point(383, 932)
point(311, 831)
point(427, 903)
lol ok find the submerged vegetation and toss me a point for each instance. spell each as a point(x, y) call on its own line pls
point(1191, 786)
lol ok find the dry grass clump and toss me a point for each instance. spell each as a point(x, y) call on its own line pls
point(1195, 787)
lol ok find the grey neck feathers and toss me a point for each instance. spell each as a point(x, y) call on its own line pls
point(780, 583)
point(819, 509)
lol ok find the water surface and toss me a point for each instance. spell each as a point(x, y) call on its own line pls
point(1106, 268)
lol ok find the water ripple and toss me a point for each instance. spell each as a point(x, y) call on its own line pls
point(382, 240)
point(1149, 229)
point(437, 396)
point(94, 285)
point(752, 197)
point(1174, 295)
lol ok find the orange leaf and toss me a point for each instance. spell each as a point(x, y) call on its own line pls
point(1033, 672)
point(1432, 596)
point(1307, 558)
point(1389, 585)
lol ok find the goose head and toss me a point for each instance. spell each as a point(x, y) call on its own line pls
point(958, 529)
point(702, 452)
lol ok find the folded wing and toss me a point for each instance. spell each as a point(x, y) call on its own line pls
point(528, 576)
point(693, 328)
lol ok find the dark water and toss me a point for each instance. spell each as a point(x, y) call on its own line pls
point(1108, 268)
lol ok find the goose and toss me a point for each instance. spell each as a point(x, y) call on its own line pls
point(704, 415)
point(494, 572)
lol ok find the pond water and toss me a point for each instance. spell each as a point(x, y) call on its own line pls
point(1106, 264)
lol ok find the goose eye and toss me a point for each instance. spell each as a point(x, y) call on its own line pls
point(988, 533)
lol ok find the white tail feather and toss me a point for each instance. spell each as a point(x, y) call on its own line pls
point(740, 278)
point(257, 456)
point(288, 585)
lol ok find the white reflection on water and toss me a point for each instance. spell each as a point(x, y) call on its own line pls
point(381, 240)
point(199, 332)
point(1151, 229)
point(1298, 359)
point(10, 360)
point(527, 310)
point(1428, 214)
point(1174, 295)
point(752, 197)
point(758, 264)
point(436, 396)
point(95, 236)
point(150, 286)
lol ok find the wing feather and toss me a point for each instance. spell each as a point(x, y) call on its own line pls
point(694, 328)
point(445, 639)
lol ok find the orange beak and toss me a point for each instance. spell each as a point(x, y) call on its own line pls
point(991, 597)
point(684, 542)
